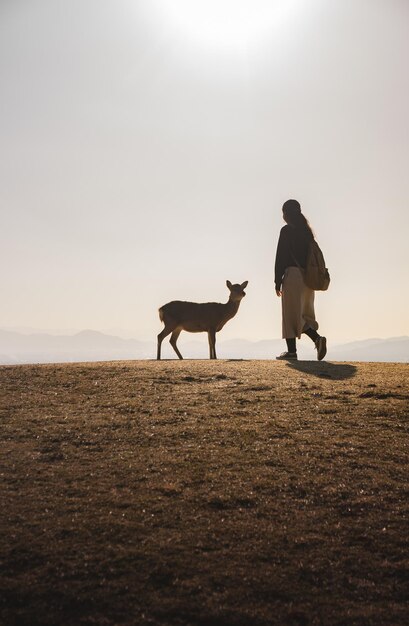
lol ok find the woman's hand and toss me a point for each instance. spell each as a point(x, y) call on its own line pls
point(279, 292)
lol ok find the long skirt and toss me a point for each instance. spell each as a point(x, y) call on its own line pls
point(297, 304)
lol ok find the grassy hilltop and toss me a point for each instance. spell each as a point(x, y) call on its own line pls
point(226, 493)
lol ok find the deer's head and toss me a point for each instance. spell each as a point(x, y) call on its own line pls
point(237, 291)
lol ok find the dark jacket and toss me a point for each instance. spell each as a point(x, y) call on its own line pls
point(292, 250)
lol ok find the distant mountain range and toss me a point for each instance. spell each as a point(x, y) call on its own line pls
point(91, 345)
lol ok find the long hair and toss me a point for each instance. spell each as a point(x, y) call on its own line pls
point(294, 217)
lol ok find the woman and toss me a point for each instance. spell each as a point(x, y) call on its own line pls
point(296, 298)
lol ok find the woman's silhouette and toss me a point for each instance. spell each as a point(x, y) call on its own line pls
point(296, 298)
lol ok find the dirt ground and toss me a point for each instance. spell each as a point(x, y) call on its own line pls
point(225, 493)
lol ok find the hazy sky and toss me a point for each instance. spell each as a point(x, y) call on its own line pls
point(147, 146)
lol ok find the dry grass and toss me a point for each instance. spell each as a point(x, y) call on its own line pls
point(202, 493)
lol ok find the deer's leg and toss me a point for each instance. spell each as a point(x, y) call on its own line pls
point(212, 343)
point(173, 339)
point(165, 332)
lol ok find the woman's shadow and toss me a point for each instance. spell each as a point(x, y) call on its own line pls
point(323, 369)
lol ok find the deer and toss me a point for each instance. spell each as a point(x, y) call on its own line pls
point(197, 317)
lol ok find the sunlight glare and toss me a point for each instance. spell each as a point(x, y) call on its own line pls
point(226, 25)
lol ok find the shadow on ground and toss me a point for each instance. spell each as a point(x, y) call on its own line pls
point(336, 371)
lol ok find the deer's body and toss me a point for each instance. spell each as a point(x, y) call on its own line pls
point(197, 317)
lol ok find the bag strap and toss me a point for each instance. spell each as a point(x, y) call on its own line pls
point(293, 255)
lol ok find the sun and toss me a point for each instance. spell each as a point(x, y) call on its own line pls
point(224, 25)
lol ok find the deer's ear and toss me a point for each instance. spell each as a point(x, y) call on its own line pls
point(244, 285)
point(228, 283)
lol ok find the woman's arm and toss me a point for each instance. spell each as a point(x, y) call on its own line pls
point(281, 261)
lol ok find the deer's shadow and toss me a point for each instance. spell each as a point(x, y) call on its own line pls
point(323, 369)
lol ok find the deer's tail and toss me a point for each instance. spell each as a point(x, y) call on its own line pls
point(160, 311)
